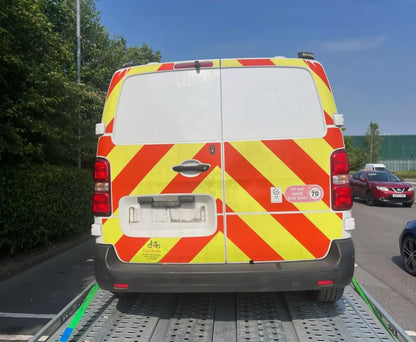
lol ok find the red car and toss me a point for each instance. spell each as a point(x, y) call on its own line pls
point(381, 186)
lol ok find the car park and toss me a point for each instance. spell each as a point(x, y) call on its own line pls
point(381, 187)
point(407, 244)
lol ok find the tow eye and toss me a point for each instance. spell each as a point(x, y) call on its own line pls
point(191, 168)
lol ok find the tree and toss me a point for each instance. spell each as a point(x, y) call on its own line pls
point(355, 155)
point(373, 143)
point(141, 55)
point(40, 102)
point(32, 60)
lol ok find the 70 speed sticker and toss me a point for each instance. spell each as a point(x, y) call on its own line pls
point(304, 193)
point(297, 193)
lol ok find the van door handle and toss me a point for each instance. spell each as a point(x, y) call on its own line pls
point(191, 166)
point(196, 168)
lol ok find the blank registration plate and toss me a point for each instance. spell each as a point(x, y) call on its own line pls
point(399, 195)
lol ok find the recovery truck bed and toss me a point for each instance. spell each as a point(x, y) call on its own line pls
point(220, 317)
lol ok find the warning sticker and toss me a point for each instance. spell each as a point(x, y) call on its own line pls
point(276, 195)
point(152, 252)
point(304, 193)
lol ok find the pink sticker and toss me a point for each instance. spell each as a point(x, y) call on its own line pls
point(304, 193)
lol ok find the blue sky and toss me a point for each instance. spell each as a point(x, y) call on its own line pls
point(367, 47)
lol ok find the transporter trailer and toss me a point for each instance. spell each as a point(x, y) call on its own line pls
point(98, 315)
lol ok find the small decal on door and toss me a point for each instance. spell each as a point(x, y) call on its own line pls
point(304, 193)
point(153, 252)
point(276, 195)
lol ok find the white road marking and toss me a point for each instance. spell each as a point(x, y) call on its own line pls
point(25, 315)
point(20, 337)
point(411, 333)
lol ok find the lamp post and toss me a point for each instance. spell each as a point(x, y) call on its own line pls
point(79, 76)
point(78, 43)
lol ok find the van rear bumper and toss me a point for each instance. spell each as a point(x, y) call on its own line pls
point(337, 266)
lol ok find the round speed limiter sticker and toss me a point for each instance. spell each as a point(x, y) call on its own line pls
point(315, 193)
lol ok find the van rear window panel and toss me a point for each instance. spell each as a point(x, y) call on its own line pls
point(270, 103)
point(228, 104)
point(169, 107)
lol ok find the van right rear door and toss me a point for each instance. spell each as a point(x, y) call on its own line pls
point(277, 162)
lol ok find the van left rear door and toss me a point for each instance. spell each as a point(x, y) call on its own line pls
point(166, 166)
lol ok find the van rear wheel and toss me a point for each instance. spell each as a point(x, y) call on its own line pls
point(328, 295)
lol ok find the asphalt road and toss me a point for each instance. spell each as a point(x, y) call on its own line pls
point(29, 299)
point(379, 266)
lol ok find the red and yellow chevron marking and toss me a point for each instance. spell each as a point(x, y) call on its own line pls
point(257, 166)
point(252, 168)
point(301, 231)
point(148, 170)
point(252, 228)
point(207, 249)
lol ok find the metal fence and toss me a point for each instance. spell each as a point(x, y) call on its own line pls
point(400, 164)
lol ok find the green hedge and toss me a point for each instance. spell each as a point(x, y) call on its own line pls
point(42, 205)
point(406, 174)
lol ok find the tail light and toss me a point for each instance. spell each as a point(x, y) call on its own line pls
point(340, 181)
point(101, 200)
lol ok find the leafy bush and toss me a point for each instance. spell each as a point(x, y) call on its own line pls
point(41, 205)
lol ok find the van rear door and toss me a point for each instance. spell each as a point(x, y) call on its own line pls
point(166, 166)
point(277, 162)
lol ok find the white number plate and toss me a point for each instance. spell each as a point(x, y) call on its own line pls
point(399, 195)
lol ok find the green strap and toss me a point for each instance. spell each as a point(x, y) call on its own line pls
point(376, 313)
point(78, 315)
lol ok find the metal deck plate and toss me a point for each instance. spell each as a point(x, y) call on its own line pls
point(222, 317)
point(192, 318)
point(346, 320)
point(258, 318)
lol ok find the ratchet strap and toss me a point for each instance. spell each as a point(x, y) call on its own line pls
point(78, 315)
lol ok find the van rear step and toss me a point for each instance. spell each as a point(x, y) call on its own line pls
point(227, 317)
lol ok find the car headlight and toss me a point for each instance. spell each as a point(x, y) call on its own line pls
point(411, 188)
point(382, 188)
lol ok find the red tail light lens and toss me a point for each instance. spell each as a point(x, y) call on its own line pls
point(340, 183)
point(102, 171)
point(101, 200)
point(342, 198)
point(101, 204)
point(339, 162)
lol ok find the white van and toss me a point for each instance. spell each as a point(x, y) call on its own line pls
point(375, 167)
point(223, 175)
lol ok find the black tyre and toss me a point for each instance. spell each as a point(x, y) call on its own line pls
point(328, 295)
point(407, 205)
point(408, 252)
point(369, 198)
